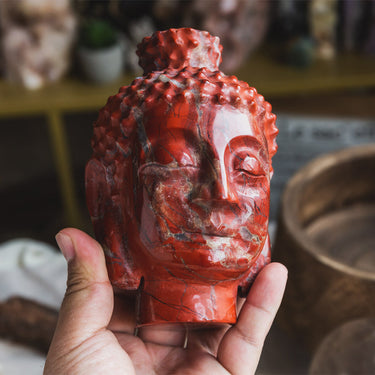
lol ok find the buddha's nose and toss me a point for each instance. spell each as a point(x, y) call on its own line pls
point(221, 188)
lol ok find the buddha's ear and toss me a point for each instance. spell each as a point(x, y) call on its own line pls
point(109, 223)
point(97, 192)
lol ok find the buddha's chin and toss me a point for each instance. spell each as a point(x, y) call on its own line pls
point(226, 255)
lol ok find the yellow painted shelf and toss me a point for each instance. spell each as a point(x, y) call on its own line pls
point(269, 77)
point(71, 94)
point(276, 80)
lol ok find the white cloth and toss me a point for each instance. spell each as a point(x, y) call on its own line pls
point(33, 270)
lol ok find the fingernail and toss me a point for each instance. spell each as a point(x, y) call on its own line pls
point(66, 246)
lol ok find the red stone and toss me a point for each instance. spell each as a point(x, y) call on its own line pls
point(178, 184)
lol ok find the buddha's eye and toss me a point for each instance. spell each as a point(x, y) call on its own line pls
point(187, 160)
point(248, 165)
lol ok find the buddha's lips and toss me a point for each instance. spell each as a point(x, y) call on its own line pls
point(237, 228)
point(201, 235)
point(227, 222)
point(212, 234)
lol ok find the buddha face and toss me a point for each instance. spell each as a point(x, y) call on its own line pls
point(203, 189)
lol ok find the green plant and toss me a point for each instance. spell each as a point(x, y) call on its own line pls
point(96, 34)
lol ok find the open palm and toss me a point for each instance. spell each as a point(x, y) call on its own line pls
point(96, 331)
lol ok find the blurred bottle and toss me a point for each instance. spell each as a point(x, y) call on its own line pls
point(323, 20)
point(370, 39)
point(290, 33)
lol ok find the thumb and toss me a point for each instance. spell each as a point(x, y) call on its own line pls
point(88, 303)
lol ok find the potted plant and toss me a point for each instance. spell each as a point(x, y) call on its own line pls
point(100, 51)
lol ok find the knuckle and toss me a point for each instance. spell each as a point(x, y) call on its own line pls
point(249, 339)
point(79, 283)
point(76, 282)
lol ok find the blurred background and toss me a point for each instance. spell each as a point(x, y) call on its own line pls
point(60, 60)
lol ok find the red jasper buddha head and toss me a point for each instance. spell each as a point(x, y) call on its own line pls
point(178, 184)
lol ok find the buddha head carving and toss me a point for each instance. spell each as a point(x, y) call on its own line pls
point(178, 184)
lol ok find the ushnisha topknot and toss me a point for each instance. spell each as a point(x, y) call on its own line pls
point(178, 48)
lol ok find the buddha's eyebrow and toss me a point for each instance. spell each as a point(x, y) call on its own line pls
point(168, 152)
point(188, 143)
point(253, 144)
point(189, 138)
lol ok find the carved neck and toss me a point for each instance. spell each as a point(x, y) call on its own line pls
point(174, 301)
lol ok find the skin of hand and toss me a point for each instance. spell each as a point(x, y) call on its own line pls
point(95, 331)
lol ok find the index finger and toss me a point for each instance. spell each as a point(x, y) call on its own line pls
point(241, 346)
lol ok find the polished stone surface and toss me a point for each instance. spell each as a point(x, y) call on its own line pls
point(178, 184)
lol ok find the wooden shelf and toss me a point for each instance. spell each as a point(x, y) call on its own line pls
point(273, 79)
point(269, 77)
point(68, 95)
point(337, 104)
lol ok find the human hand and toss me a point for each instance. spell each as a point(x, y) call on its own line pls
point(95, 331)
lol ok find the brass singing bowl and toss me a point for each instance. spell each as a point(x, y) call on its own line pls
point(326, 238)
point(348, 349)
